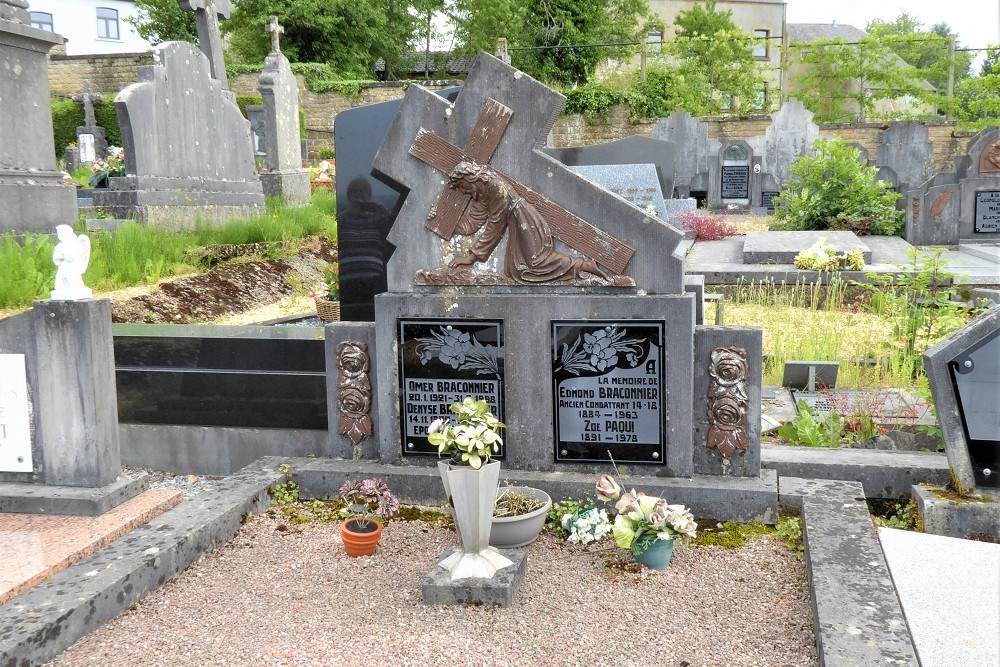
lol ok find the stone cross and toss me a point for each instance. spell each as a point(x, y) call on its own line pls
point(483, 142)
point(14, 10)
point(275, 29)
point(90, 120)
point(206, 15)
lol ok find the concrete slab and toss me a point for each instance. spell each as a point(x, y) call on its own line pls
point(782, 247)
point(985, 251)
point(73, 500)
point(958, 518)
point(857, 617)
point(950, 594)
point(498, 590)
point(884, 474)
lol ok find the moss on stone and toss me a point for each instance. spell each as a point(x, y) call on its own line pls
point(732, 535)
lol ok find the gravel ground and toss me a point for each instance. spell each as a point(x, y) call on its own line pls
point(191, 485)
point(292, 597)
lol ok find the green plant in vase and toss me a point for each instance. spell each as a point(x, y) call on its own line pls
point(472, 439)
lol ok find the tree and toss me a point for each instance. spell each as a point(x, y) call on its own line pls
point(991, 64)
point(550, 26)
point(844, 81)
point(979, 96)
point(349, 35)
point(716, 55)
point(926, 50)
point(163, 21)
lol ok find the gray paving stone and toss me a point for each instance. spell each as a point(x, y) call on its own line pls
point(950, 593)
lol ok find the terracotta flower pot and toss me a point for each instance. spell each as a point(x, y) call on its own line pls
point(360, 538)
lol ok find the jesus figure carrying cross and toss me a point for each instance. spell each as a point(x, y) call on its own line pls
point(531, 257)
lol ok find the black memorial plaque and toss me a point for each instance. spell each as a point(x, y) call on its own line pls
point(607, 390)
point(767, 198)
point(735, 182)
point(440, 363)
point(976, 377)
point(987, 212)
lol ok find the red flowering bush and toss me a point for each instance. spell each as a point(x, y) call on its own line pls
point(707, 227)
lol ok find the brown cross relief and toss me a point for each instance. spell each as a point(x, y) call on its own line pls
point(482, 144)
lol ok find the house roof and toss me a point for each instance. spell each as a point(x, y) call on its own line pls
point(440, 61)
point(814, 32)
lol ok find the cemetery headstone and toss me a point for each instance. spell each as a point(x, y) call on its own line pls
point(91, 140)
point(33, 196)
point(258, 130)
point(964, 375)
point(59, 448)
point(188, 152)
point(627, 151)
point(367, 204)
point(907, 150)
point(695, 152)
point(206, 16)
point(960, 204)
point(789, 136)
point(733, 180)
point(284, 176)
point(636, 183)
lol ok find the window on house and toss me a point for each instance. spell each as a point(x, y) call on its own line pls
point(107, 23)
point(760, 44)
point(42, 21)
point(654, 42)
point(760, 98)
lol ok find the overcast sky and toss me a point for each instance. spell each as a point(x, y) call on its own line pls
point(976, 22)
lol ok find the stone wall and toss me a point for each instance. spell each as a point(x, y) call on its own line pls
point(110, 75)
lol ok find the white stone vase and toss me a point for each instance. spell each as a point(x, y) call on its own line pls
point(474, 494)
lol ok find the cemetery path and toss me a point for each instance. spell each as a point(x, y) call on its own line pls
point(238, 286)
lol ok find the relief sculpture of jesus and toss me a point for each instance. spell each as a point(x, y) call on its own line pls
point(497, 208)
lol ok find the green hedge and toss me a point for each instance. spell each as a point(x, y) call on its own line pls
point(67, 115)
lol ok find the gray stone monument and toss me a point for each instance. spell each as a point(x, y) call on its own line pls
point(696, 153)
point(960, 205)
point(33, 196)
point(284, 176)
point(188, 152)
point(258, 130)
point(906, 149)
point(206, 16)
point(59, 450)
point(789, 136)
point(91, 140)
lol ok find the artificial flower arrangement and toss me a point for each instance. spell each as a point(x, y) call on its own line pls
point(821, 256)
point(472, 439)
point(642, 519)
point(369, 497)
point(330, 289)
point(112, 165)
point(587, 525)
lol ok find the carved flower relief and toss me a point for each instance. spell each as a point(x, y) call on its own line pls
point(354, 391)
point(727, 400)
point(352, 358)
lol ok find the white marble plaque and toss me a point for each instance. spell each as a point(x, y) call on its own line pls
point(15, 431)
point(86, 144)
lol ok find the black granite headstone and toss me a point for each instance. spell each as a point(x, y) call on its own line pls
point(366, 206)
point(441, 362)
point(987, 211)
point(631, 150)
point(767, 198)
point(976, 377)
point(607, 391)
point(735, 182)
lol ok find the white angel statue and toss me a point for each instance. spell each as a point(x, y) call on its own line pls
point(71, 257)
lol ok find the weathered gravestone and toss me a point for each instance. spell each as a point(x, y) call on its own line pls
point(960, 205)
point(33, 196)
point(566, 313)
point(59, 448)
point(284, 176)
point(627, 151)
point(258, 129)
point(188, 153)
point(91, 140)
point(906, 149)
point(695, 152)
point(789, 136)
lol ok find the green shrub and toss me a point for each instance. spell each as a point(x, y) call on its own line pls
point(67, 115)
point(813, 429)
point(244, 101)
point(593, 100)
point(831, 189)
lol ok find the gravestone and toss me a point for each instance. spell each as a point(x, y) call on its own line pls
point(964, 375)
point(627, 151)
point(258, 130)
point(366, 206)
point(695, 152)
point(960, 205)
point(782, 247)
point(59, 448)
point(564, 276)
point(789, 136)
point(33, 196)
point(906, 149)
point(284, 176)
point(188, 152)
point(91, 141)
point(636, 183)
point(734, 180)
point(206, 16)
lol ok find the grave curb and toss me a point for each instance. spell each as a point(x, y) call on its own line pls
point(884, 473)
point(722, 498)
point(961, 519)
point(857, 617)
point(73, 500)
point(46, 620)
